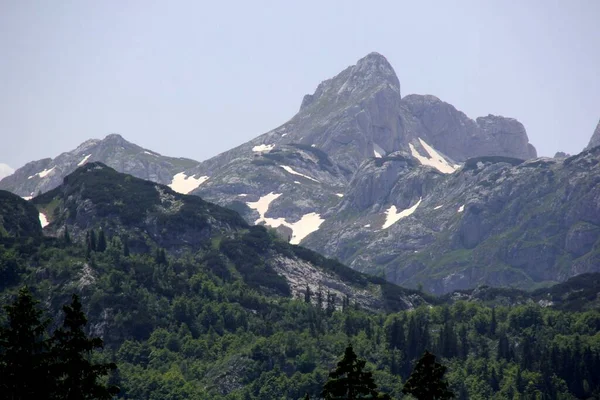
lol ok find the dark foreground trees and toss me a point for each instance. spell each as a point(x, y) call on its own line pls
point(349, 381)
point(426, 382)
point(34, 365)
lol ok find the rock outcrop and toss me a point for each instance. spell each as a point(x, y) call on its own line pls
point(595, 140)
point(113, 150)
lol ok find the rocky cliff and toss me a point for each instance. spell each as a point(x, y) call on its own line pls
point(595, 140)
point(113, 150)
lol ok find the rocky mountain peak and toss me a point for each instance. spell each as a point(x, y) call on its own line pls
point(5, 170)
point(371, 73)
point(115, 139)
point(595, 140)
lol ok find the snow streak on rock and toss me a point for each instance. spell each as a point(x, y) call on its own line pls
point(42, 174)
point(184, 184)
point(43, 220)
point(80, 163)
point(393, 216)
point(378, 151)
point(300, 229)
point(291, 171)
point(263, 147)
point(434, 160)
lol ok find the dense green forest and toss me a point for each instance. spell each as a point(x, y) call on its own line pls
point(194, 326)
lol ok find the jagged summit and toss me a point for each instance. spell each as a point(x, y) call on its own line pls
point(5, 170)
point(595, 140)
point(371, 73)
point(113, 150)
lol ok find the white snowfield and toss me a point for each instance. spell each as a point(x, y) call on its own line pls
point(263, 147)
point(184, 184)
point(151, 153)
point(5, 170)
point(339, 194)
point(438, 207)
point(300, 229)
point(80, 163)
point(434, 160)
point(43, 220)
point(27, 198)
point(42, 174)
point(291, 171)
point(393, 216)
point(378, 151)
point(461, 208)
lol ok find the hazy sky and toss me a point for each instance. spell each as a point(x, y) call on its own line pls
point(194, 78)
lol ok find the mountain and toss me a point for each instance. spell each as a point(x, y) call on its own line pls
point(5, 170)
point(497, 221)
point(407, 188)
point(289, 177)
point(225, 313)
point(18, 218)
point(149, 216)
point(113, 150)
point(595, 140)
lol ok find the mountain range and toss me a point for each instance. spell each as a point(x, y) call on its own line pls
point(407, 188)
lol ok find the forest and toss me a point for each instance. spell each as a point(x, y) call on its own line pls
point(194, 326)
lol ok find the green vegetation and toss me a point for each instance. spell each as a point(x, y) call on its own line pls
point(217, 320)
point(34, 365)
point(210, 326)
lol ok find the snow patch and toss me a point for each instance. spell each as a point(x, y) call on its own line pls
point(284, 135)
point(437, 207)
point(461, 208)
point(307, 224)
point(434, 160)
point(242, 195)
point(339, 194)
point(297, 182)
point(313, 145)
point(5, 170)
point(367, 226)
point(80, 163)
point(42, 174)
point(378, 151)
point(27, 198)
point(43, 220)
point(263, 147)
point(150, 153)
point(291, 171)
point(393, 216)
point(184, 184)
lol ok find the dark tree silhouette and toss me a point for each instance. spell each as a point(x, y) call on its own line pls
point(101, 246)
point(426, 381)
point(24, 360)
point(77, 377)
point(349, 382)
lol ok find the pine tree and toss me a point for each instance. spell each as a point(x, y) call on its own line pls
point(93, 240)
point(24, 361)
point(101, 241)
point(426, 381)
point(493, 323)
point(125, 247)
point(349, 382)
point(66, 236)
point(307, 294)
point(76, 375)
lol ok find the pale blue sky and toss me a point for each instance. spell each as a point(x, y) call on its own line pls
point(194, 78)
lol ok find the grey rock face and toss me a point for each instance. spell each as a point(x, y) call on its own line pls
point(595, 140)
point(496, 221)
point(456, 135)
point(113, 150)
